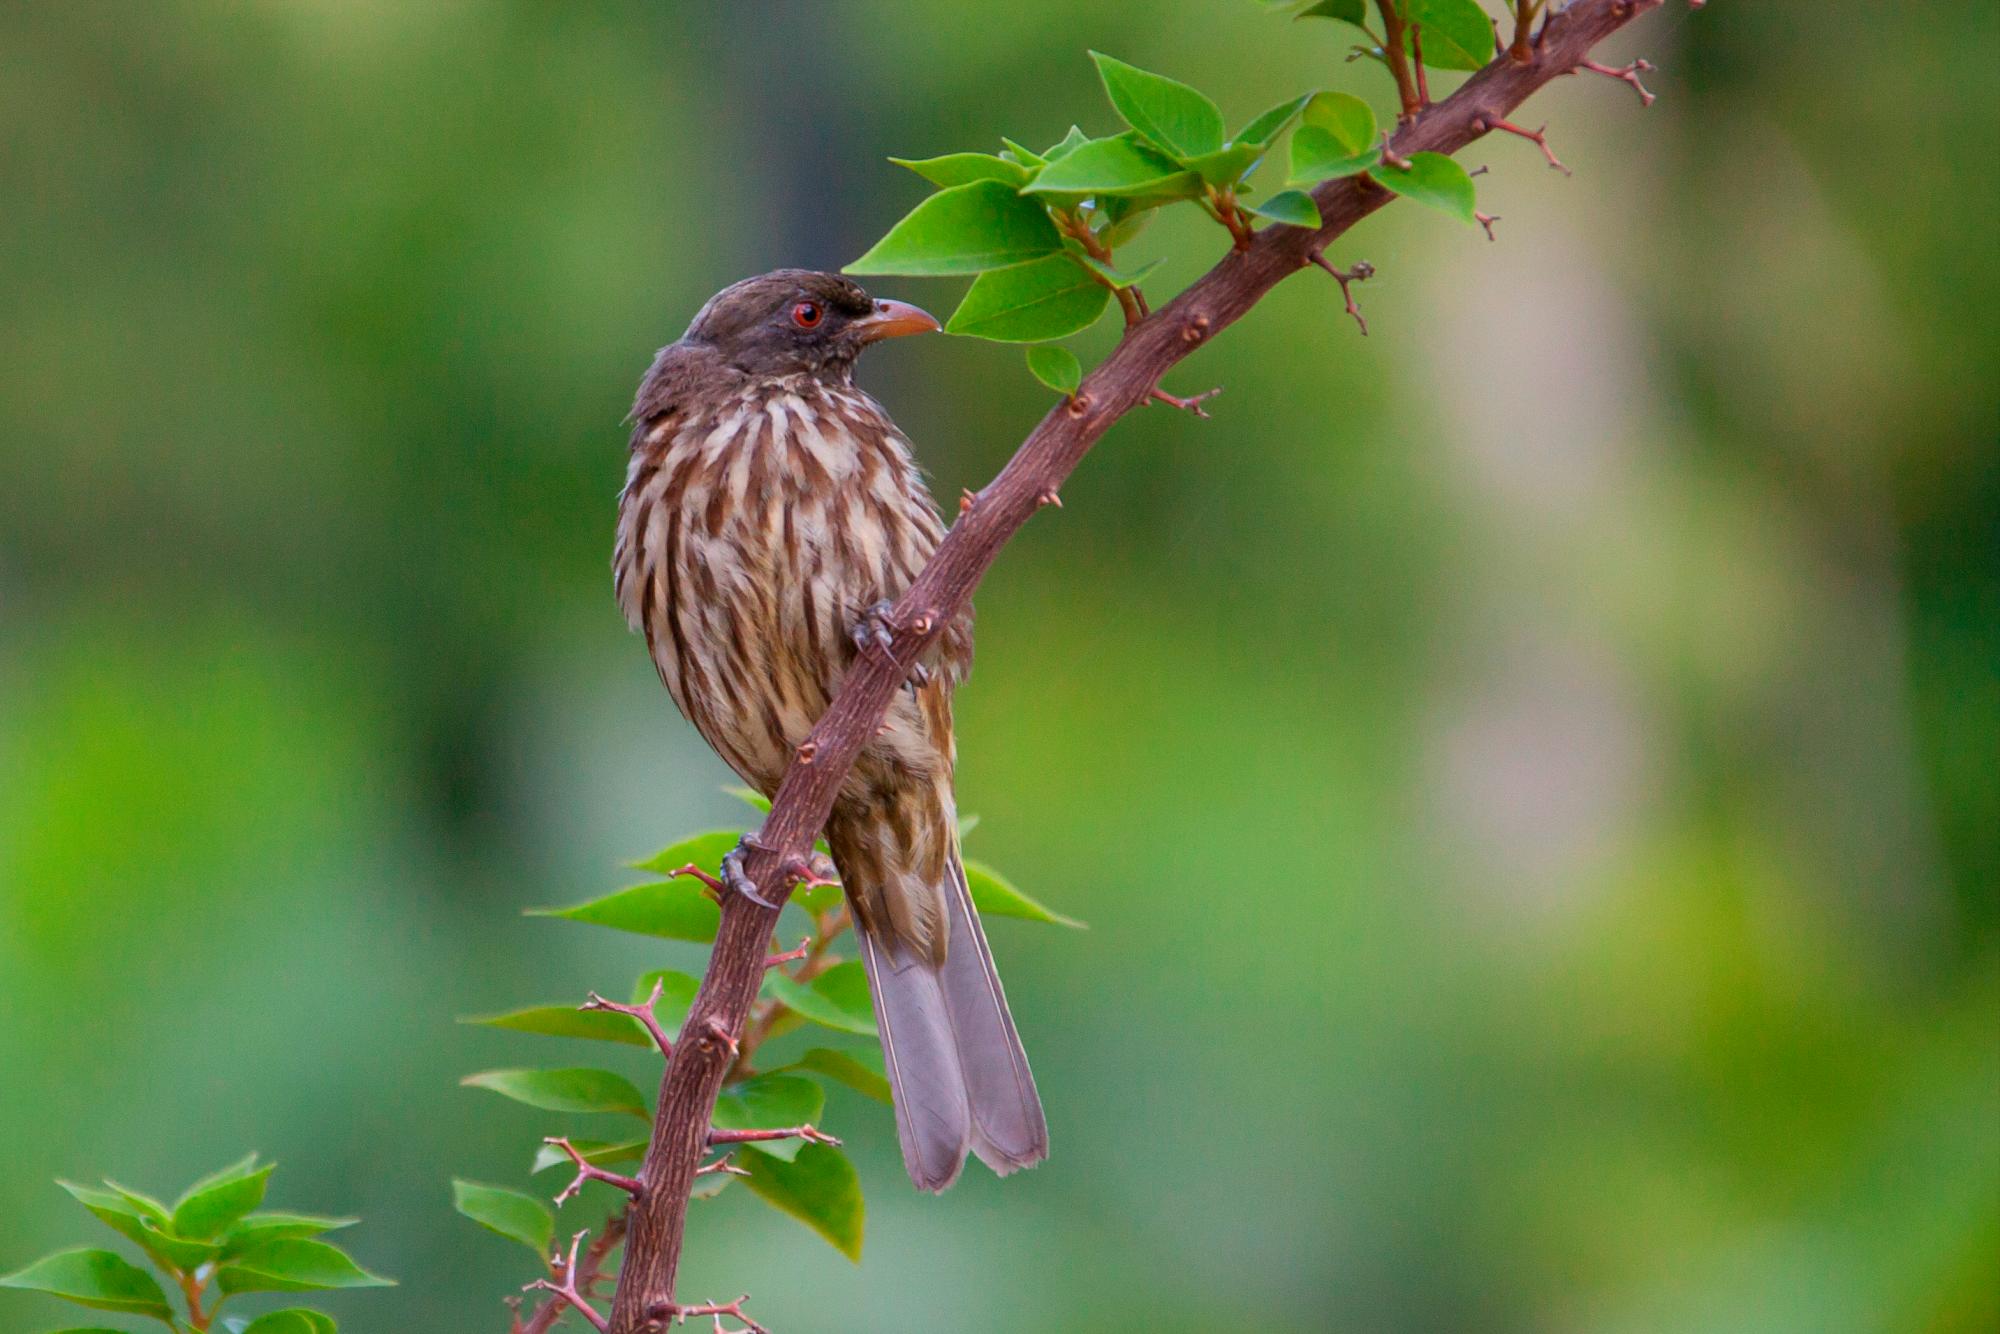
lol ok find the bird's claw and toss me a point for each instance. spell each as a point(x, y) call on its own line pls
point(876, 630)
point(734, 876)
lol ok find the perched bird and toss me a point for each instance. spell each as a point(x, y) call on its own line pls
point(771, 513)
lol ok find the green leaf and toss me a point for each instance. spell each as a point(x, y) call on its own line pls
point(101, 1280)
point(1434, 179)
point(292, 1320)
point(819, 1188)
point(837, 998)
point(256, 1229)
point(1346, 11)
point(1174, 117)
point(513, 1215)
point(861, 1071)
point(1120, 165)
point(1027, 157)
point(295, 1264)
point(563, 1021)
point(966, 229)
point(87, 1329)
point(1317, 156)
point(994, 896)
point(964, 168)
point(219, 1199)
point(569, 1090)
point(1456, 34)
point(119, 1214)
point(676, 996)
point(597, 1152)
point(771, 1102)
point(1227, 166)
point(1056, 367)
point(1068, 142)
point(145, 1204)
point(750, 796)
point(672, 909)
point(1126, 227)
point(1117, 278)
point(1349, 120)
point(1030, 303)
point(1294, 208)
point(1264, 130)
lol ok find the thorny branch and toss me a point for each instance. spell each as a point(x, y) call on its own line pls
point(1031, 480)
point(570, 1281)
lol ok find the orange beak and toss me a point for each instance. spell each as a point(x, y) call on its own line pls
point(894, 319)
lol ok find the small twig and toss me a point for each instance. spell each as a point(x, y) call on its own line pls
point(720, 1165)
point(587, 1171)
point(1540, 138)
point(715, 886)
point(588, 1273)
point(1417, 59)
point(1361, 272)
point(1521, 51)
point(643, 1013)
point(1193, 404)
point(809, 1134)
point(563, 1286)
point(1398, 58)
point(1486, 220)
point(1627, 74)
point(789, 956)
point(712, 1310)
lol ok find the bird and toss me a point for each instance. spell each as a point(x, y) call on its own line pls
point(771, 514)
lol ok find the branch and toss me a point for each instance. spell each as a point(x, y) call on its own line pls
point(564, 1288)
point(810, 1134)
point(643, 1013)
point(1031, 479)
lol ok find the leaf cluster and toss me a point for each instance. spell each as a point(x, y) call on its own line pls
point(1040, 231)
point(821, 995)
point(212, 1244)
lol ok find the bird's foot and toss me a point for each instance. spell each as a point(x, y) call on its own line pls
point(876, 631)
point(734, 876)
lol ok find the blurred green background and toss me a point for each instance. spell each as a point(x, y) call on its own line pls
point(1533, 773)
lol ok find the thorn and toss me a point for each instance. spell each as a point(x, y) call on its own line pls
point(643, 1013)
point(1486, 220)
point(922, 625)
point(807, 751)
point(1049, 498)
point(1629, 74)
point(1479, 170)
point(1195, 330)
point(563, 1286)
point(713, 1032)
point(966, 500)
point(715, 886)
point(720, 1165)
point(1540, 138)
point(587, 1171)
point(1361, 272)
point(663, 1312)
point(810, 1134)
point(1194, 404)
point(1393, 159)
point(1079, 404)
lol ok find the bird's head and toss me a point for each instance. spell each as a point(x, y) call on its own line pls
point(798, 321)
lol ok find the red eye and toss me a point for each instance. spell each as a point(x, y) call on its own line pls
point(806, 314)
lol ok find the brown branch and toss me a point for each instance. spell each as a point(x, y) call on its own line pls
point(810, 1134)
point(587, 1271)
point(1625, 74)
point(1393, 51)
point(1346, 278)
point(643, 1013)
point(713, 1310)
point(587, 1171)
point(1539, 138)
point(564, 1291)
point(1031, 479)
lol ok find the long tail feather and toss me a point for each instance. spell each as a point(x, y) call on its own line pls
point(920, 1056)
point(1009, 1130)
point(957, 1074)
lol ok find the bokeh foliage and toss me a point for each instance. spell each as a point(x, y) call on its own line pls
point(1529, 772)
